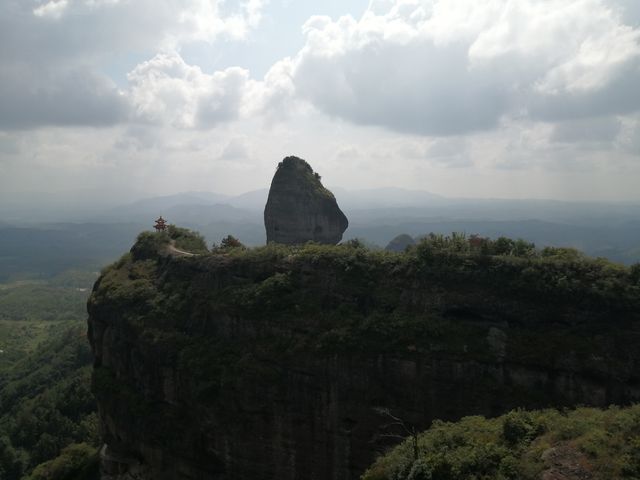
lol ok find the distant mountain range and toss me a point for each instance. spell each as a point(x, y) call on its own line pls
point(42, 236)
point(82, 207)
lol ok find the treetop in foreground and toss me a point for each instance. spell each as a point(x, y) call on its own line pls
point(586, 443)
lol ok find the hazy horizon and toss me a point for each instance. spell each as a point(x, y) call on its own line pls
point(105, 198)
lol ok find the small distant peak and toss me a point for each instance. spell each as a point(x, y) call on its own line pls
point(400, 243)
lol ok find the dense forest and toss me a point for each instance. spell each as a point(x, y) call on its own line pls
point(49, 425)
point(48, 420)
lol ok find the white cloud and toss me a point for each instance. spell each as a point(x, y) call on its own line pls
point(274, 97)
point(172, 22)
point(452, 66)
point(514, 93)
point(203, 20)
point(166, 90)
point(54, 56)
point(53, 9)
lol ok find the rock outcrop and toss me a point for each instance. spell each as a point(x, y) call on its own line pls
point(275, 363)
point(299, 209)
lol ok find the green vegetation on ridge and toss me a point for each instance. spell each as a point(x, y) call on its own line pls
point(585, 443)
point(48, 425)
point(515, 264)
point(297, 167)
point(489, 274)
point(232, 321)
point(369, 306)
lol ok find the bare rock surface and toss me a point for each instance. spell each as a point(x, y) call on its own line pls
point(299, 209)
point(565, 462)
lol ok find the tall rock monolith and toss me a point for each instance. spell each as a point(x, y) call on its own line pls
point(299, 209)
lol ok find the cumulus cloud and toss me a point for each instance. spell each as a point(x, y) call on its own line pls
point(145, 22)
point(501, 89)
point(166, 90)
point(440, 67)
point(54, 54)
point(53, 9)
point(274, 97)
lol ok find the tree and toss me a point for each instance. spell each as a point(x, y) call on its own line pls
point(355, 243)
point(399, 425)
point(230, 242)
point(562, 253)
point(522, 248)
point(503, 246)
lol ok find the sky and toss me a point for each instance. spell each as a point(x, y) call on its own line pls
point(463, 98)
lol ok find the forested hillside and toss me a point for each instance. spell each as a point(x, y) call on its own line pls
point(49, 426)
point(47, 411)
point(275, 362)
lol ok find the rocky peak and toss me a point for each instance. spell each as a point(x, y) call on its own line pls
point(300, 208)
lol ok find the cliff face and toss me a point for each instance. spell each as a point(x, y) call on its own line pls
point(274, 363)
point(300, 209)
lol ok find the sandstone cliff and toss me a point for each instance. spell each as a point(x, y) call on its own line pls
point(299, 209)
point(273, 363)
